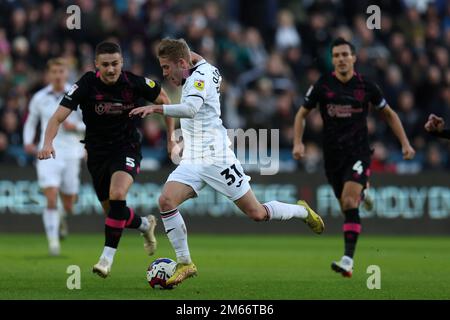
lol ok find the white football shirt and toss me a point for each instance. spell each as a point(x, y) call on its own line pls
point(42, 106)
point(204, 135)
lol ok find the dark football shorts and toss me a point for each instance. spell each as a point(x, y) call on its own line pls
point(102, 165)
point(340, 170)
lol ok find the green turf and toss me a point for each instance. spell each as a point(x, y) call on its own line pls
point(231, 267)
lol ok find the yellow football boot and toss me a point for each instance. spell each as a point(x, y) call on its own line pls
point(182, 272)
point(313, 220)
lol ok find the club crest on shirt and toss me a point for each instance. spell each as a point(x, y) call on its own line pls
point(100, 108)
point(199, 84)
point(150, 82)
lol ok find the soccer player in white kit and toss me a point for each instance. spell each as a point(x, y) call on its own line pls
point(207, 158)
point(59, 175)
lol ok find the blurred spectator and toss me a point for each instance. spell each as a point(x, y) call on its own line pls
point(434, 158)
point(286, 35)
point(282, 119)
point(11, 127)
point(312, 162)
point(268, 58)
point(249, 109)
point(234, 55)
point(380, 159)
point(393, 85)
point(5, 157)
point(18, 24)
point(41, 54)
point(153, 135)
point(255, 48)
point(409, 114)
point(132, 21)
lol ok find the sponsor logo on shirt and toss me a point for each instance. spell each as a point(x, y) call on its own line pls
point(112, 108)
point(199, 84)
point(342, 111)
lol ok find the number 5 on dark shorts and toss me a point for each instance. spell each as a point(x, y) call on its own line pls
point(102, 167)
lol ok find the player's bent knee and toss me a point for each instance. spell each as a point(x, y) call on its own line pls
point(117, 194)
point(350, 203)
point(166, 203)
point(52, 200)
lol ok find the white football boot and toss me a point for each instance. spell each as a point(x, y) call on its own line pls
point(344, 267)
point(54, 248)
point(150, 242)
point(102, 268)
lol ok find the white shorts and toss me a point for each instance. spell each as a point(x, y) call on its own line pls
point(59, 173)
point(227, 179)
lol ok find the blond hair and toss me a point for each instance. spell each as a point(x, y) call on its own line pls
point(174, 50)
point(56, 62)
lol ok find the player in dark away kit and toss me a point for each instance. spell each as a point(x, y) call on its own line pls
point(112, 142)
point(343, 98)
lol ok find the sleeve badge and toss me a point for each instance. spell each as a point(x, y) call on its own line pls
point(199, 84)
point(72, 89)
point(150, 82)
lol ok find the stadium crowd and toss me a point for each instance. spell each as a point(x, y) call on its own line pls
point(269, 52)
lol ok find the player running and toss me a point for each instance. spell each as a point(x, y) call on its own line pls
point(207, 158)
point(112, 142)
point(56, 175)
point(343, 98)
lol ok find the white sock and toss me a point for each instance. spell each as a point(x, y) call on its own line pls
point(144, 225)
point(50, 218)
point(284, 211)
point(177, 234)
point(108, 253)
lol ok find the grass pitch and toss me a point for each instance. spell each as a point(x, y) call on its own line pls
point(230, 267)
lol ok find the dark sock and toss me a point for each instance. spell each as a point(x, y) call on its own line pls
point(133, 221)
point(352, 229)
point(115, 222)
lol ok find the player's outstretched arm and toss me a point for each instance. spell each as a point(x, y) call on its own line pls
point(163, 98)
point(394, 122)
point(298, 150)
point(55, 121)
point(146, 110)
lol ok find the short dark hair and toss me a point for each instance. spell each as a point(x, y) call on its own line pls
point(107, 47)
point(340, 42)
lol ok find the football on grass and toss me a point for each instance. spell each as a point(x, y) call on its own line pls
point(159, 272)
